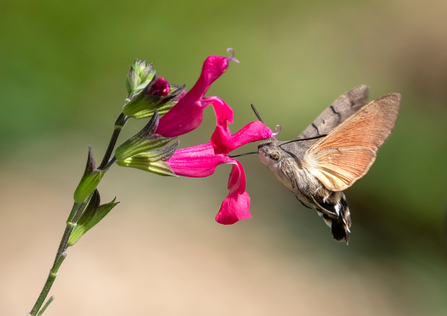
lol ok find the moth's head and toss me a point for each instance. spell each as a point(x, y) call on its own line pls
point(270, 153)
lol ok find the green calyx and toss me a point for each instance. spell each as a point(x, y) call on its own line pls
point(160, 168)
point(143, 104)
point(151, 160)
point(147, 151)
point(143, 141)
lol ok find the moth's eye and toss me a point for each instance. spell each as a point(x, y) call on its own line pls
point(274, 156)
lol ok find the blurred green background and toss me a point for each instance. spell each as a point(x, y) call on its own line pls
point(62, 73)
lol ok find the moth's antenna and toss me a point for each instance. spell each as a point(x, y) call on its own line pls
point(302, 139)
point(250, 153)
point(259, 118)
point(256, 113)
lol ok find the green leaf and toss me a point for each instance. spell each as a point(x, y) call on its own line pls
point(89, 180)
point(87, 185)
point(92, 215)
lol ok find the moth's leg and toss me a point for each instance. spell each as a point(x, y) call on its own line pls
point(332, 214)
point(304, 204)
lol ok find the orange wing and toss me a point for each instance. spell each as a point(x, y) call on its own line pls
point(347, 153)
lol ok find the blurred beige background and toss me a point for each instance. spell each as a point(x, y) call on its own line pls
point(160, 252)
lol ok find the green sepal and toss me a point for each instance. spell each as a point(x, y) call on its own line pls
point(89, 180)
point(143, 104)
point(146, 73)
point(131, 148)
point(158, 167)
point(163, 153)
point(162, 168)
point(132, 80)
point(143, 141)
point(139, 76)
point(92, 215)
point(152, 161)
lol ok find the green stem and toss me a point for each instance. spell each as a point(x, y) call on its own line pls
point(76, 213)
point(43, 309)
point(119, 124)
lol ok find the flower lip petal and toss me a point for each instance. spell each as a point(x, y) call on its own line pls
point(237, 181)
point(237, 203)
point(234, 208)
point(224, 142)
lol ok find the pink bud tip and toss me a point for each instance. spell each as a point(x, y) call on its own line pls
point(160, 87)
point(231, 58)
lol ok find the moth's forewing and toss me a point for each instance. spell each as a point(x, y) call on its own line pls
point(347, 153)
point(342, 108)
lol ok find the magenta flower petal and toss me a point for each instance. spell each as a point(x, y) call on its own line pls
point(184, 117)
point(237, 203)
point(201, 161)
point(223, 142)
point(234, 208)
point(224, 116)
point(196, 162)
point(187, 115)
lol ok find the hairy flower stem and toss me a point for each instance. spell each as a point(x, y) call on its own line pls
point(119, 124)
point(75, 215)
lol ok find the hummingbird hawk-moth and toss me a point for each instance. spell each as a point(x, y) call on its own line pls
point(336, 150)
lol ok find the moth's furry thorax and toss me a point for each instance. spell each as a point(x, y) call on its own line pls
point(308, 189)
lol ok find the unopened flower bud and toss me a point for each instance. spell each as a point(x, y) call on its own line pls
point(158, 94)
point(139, 76)
point(160, 87)
point(133, 80)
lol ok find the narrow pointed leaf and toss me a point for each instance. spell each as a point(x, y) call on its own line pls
point(87, 215)
point(89, 180)
point(91, 219)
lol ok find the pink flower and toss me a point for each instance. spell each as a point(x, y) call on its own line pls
point(187, 114)
point(201, 161)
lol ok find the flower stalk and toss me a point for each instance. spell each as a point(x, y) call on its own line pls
point(119, 125)
point(71, 223)
point(172, 113)
point(59, 259)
